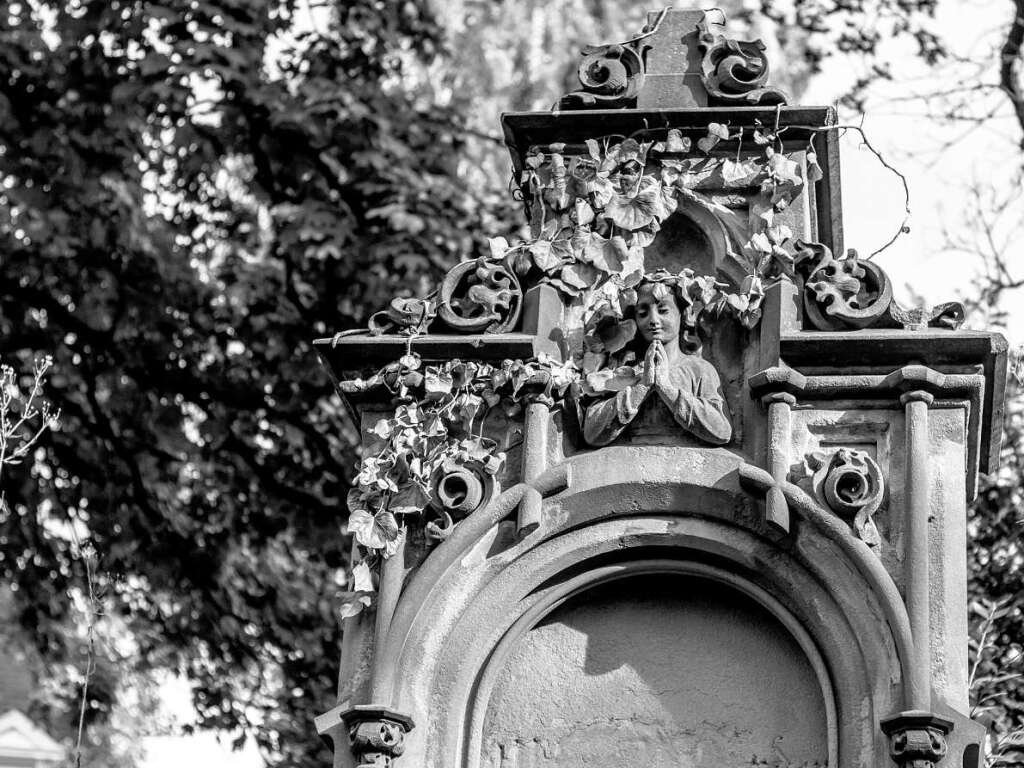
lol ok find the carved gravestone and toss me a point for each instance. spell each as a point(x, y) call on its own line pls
point(670, 483)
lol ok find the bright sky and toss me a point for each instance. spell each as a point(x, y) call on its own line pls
point(939, 180)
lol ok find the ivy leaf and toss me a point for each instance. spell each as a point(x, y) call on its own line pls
point(354, 605)
point(719, 130)
point(759, 242)
point(763, 209)
point(408, 415)
point(784, 170)
point(631, 212)
point(498, 247)
point(600, 252)
point(377, 532)
point(579, 276)
point(732, 171)
point(778, 233)
point(467, 406)
point(584, 213)
point(814, 172)
point(362, 578)
point(716, 133)
point(670, 171)
point(543, 257)
point(437, 383)
point(410, 500)
point(707, 143)
point(674, 142)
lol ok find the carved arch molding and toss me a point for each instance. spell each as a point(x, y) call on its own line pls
point(446, 668)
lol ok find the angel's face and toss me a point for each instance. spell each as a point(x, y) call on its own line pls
point(657, 314)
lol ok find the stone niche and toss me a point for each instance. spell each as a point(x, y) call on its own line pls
point(675, 481)
point(664, 670)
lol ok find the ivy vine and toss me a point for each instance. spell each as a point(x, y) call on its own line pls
point(594, 214)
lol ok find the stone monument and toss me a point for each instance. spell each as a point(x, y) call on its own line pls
point(675, 482)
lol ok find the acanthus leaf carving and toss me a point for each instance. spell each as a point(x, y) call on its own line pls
point(480, 296)
point(851, 484)
point(735, 72)
point(841, 293)
point(611, 76)
point(855, 293)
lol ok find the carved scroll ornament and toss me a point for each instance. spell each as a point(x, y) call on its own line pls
point(735, 72)
point(478, 296)
point(611, 76)
point(841, 293)
point(850, 483)
point(854, 293)
point(461, 486)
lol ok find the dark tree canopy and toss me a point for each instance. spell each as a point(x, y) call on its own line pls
point(181, 214)
point(190, 191)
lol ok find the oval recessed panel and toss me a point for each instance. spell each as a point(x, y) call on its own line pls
point(661, 671)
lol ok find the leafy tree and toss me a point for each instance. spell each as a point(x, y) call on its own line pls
point(191, 190)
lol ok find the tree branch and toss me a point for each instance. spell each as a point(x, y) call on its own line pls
point(1009, 61)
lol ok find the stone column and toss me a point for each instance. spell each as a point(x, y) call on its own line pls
point(916, 485)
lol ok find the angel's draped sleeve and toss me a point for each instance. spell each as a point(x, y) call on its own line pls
point(700, 407)
point(605, 419)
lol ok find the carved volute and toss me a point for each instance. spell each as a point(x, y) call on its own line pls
point(680, 409)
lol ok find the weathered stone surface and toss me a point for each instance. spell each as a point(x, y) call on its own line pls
point(666, 484)
point(659, 671)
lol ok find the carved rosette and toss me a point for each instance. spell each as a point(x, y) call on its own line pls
point(917, 739)
point(376, 735)
point(460, 488)
point(850, 483)
point(611, 76)
point(735, 72)
point(841, 293)
point(854, 293)
point(481, 296)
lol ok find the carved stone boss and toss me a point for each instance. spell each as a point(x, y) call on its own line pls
point(679, 304)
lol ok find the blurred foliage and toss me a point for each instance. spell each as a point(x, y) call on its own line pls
point(192, 190)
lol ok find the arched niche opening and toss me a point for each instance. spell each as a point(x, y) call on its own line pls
point(664, 670)
point(696, 238)
point(680, 239)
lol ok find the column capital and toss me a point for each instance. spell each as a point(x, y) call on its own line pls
point(917, 395)
point(917, 739)
point(778, 379)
